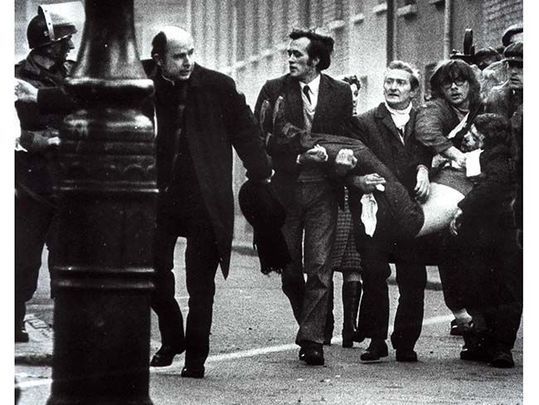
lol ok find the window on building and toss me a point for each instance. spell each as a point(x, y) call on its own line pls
point(358, 6)
point(240, 30)
point(270, 17)
point(256, 27)
point(319, 16)
point(429, 70)
point(402, 3)
point(305, 13)
point(339, 9)
point(218, 24)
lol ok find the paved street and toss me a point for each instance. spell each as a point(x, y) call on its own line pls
point(253, 358)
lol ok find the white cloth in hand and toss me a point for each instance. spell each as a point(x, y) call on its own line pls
point(369, 208)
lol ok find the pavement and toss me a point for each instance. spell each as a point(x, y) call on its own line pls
point(38, 351)
point(253, 358)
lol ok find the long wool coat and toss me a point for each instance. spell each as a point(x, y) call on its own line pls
point(216, 119)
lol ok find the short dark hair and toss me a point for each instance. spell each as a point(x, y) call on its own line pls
point(452, 69)
point(495, 127)
point(414, 74)
point(321, 46)
point(159, 44)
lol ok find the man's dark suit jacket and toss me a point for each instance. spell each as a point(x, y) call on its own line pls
point(332, 116)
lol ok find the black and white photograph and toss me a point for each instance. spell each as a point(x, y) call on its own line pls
point(268, 202)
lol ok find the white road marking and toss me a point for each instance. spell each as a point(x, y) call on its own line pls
point(177, 366)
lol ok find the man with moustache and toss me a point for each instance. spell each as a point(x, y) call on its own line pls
point(388, 131)
point(200, 117)
point(318, 103)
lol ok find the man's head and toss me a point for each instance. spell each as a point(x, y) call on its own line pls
point(514, 57)
point(401, 84)
point(455, 81)
point(49, 33)
point(489, 130)
point(308, 54)
point(484, 57)
point(173, 50)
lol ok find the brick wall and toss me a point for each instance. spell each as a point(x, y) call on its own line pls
point(497, 16)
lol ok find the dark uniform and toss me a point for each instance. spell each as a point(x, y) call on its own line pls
point(34, 203)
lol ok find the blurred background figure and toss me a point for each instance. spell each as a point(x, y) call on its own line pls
point(485, 57)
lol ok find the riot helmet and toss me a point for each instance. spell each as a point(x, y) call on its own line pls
point(52, 23)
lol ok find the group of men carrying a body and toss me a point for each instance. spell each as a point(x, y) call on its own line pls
point(200, 116)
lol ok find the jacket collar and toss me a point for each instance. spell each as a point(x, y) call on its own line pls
point(384, 116)
point(154, 72)
point(39, 66)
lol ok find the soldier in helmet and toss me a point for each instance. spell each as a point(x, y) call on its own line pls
point(49, 37)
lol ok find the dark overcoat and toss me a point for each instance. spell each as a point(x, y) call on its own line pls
point(216, 119)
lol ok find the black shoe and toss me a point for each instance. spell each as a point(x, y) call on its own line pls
point(502, 359)
point(475, 354)
point(21, 336)
point(406, 356)
point(313, 354)
point(459, 329)
point(376, 350)
point(193, 372)
point(164, 356)
point(301, 354)
point(347, 338)
point(358, 337)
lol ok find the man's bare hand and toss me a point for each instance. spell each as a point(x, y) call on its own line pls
point(317, 154)
point(454, 225)
point(25, 92)
point(422, 186)
point(345, 161)
point(369, 182)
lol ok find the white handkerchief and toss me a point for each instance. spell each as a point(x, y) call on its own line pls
point(369, 208)
point(473, 166)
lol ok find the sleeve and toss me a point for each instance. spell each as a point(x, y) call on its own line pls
point(55, 100)
point(430, 128)
point(245, 135)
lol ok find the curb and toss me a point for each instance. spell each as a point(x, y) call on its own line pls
point(38, 351)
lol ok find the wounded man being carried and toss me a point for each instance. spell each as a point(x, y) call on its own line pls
point(398, 215)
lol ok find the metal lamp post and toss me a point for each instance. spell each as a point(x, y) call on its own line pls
point(107, 193)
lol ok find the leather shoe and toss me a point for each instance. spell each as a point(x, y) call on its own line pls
point(502, 359)
point(406, 356)
point(21, 336)
point(193, 372)
point(301, 354)
point(313, 354)
point(164, 356)
point(475, 354)
point(459, 329)
point(375, 351)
